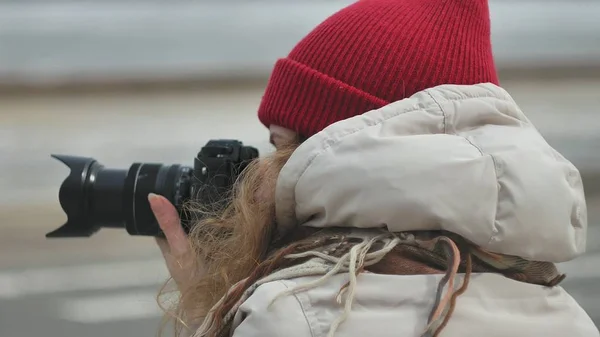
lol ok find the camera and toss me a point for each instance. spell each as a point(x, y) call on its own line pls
point(95, 197)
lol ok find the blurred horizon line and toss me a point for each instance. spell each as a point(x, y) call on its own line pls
point(89, 43)
point(243, 79)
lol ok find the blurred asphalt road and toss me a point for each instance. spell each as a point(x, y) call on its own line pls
point(105, 285)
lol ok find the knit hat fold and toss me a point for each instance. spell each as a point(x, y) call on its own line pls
point(311, 100)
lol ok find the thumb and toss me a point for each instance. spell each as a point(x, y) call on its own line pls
point(170, 224)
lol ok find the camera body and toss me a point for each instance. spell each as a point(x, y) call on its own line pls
point(94, 197)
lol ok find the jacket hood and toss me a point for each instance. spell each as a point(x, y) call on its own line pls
point(460, 158)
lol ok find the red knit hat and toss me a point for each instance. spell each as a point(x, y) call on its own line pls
point(375, 52)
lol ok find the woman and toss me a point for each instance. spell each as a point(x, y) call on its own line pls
point(408, 196)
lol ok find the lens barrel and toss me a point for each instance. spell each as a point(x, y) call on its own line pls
point(94, 197)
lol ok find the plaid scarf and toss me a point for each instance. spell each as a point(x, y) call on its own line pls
point(326, 252)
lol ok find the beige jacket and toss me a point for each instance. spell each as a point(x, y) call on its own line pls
point(459, 158)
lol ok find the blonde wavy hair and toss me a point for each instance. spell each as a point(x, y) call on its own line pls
point(227, 244)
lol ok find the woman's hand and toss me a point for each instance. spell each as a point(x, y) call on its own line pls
point(175, 247)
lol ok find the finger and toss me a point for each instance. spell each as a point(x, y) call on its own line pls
point(163, 244)
point(174, 264)
point(165, 249)
point(169, 222)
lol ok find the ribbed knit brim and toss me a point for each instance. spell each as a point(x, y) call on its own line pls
point(312, 100)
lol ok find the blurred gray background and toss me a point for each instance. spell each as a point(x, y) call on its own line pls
point(135, 80)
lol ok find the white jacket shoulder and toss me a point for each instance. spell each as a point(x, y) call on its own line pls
point(390, 306)
point(257, 317)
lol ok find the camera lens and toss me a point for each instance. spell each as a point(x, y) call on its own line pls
point(172, 181)
point(93, 196)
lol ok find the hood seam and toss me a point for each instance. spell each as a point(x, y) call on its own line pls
point(483, 154)
point(441, 109)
